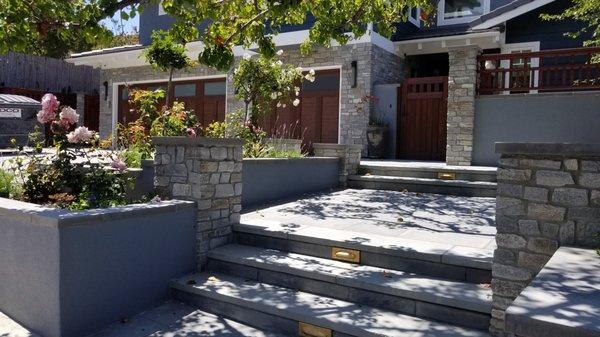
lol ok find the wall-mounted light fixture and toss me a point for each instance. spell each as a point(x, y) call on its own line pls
point(353, 74)
point(105, 84)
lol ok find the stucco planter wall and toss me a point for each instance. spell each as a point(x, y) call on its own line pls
point(270, 179)
point(67, 274)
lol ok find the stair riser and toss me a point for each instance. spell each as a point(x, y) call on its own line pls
point(399, 304)
point(460, 175)
point(423, 188)
point(255, 318)
point(426, 268)
point(252, 317)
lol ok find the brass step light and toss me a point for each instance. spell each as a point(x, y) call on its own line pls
point(309, 330)
point(447, 175)
point(344, 254)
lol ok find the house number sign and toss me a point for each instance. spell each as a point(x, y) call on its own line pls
point(10, 112)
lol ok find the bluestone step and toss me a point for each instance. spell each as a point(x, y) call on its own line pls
point(426, 258)
point(174, 318)
point(271, 307)
point(461, 303)
point(424, 185)
point(428, 170)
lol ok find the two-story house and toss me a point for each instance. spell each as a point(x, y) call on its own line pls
point(482, 71)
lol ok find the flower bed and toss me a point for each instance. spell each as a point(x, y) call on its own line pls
point(68, 274)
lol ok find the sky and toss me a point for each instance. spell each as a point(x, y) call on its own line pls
point(128, 26)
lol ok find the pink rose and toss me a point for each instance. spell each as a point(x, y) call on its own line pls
point(191, 132)
point(49, 103)
point(118, 165)
point(80, 135)
point(68, 116)
point(45, 116)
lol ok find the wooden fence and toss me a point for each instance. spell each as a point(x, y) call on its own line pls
point(47, 74)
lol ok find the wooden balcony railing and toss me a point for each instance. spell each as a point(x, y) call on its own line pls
point(544, 71)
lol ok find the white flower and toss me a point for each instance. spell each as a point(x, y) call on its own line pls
point(247, 56)
point(311, 72)
point(296, 102)
point(279, 63)
point(68, 116)
point(297, 93)
point(279, 94)
point(273, 95)
point(280, 52)
point(276, 3)
point(283, 105)
point(278, 104)
point(80, 135)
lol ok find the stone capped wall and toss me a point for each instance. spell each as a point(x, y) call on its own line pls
point(348, 155)
point(209, 172)
point(462, 75)
point(548, 196)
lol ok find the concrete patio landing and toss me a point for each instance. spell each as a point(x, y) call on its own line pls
point(460, 221)
point(429, 227)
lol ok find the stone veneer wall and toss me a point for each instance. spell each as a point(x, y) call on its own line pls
point(462, 75)
point(548, 196)
point(375, 66)
point(349, 158)
point(209, 172)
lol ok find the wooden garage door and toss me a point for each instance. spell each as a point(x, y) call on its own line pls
point(316, 118)
point(205, 97)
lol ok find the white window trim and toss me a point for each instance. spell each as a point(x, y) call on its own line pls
point(441, 21)
point(161, 10)
point(415, 21)
point(508, 48)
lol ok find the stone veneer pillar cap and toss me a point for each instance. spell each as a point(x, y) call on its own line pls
point(556, 149)
point(197, 141)
point(330, 145)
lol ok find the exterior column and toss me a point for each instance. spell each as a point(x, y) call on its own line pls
point(349, 158)
point(209, 172)
point(462, 75)
point(81, 108)
point(548, 196)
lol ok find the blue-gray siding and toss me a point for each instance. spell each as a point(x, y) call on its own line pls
point(530, 27)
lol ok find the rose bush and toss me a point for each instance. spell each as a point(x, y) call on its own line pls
point(76, 174)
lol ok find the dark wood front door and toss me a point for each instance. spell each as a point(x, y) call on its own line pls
point(316, 118)
point(422, 118)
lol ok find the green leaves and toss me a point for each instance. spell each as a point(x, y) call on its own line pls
point(165, 54)
point(586, 11)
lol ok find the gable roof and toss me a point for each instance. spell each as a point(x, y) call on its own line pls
point(507, 12)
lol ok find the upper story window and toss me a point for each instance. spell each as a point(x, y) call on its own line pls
point(461, 11)
point(414, 16)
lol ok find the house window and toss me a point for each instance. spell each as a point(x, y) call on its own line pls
point(461, 11)
point(414, 16)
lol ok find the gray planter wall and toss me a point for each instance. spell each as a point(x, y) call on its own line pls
point(266, 180)
point(545, 117)
point(269, 179)
point(68, 274)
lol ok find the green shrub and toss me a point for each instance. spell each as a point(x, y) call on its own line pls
point(6, 183)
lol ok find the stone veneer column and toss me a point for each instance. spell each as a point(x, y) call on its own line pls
point(349, 156)
point(209, 172)
point(548, 195)
point(81, 108)
point(462, 76)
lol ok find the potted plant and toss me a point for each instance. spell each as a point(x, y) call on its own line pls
point(376, 130)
